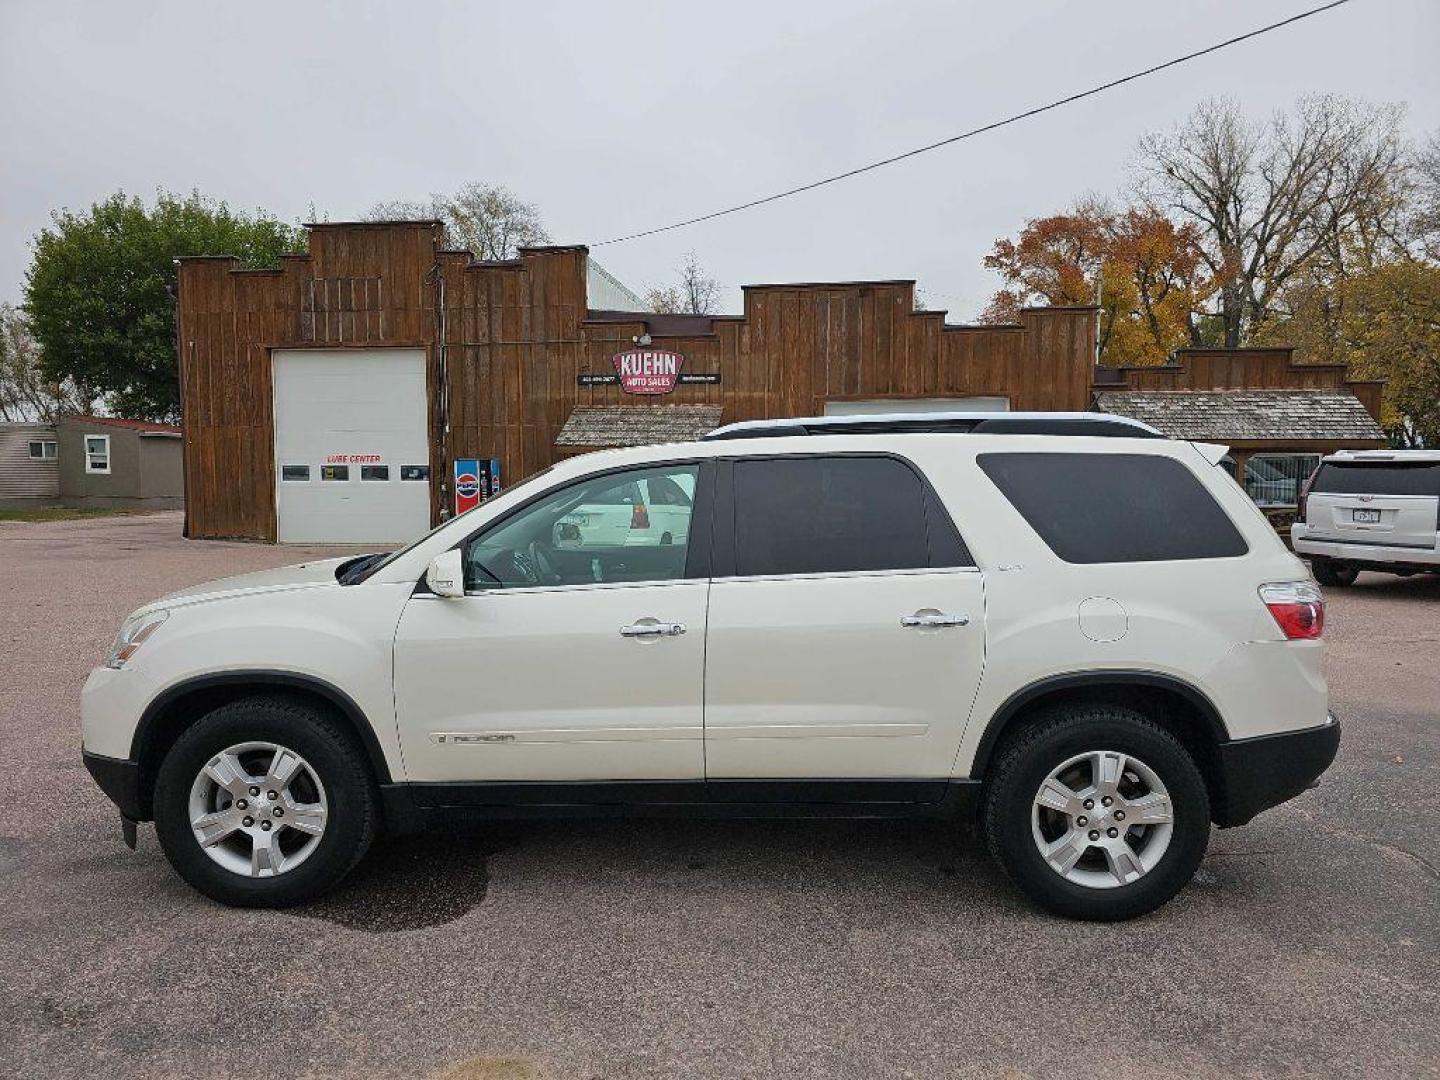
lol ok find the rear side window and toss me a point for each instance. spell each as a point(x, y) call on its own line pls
point(1107, 508)
point(618, 495)
point(1377, 478)
point(837, 515)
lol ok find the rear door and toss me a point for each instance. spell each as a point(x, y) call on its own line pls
point(1390, 503)
point(845, 636)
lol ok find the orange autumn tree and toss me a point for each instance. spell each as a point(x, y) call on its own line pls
point(1144, 271)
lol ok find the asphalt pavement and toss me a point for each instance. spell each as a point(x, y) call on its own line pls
point(1308, 945)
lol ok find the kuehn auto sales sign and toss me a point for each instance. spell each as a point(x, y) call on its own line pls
point(648, 371)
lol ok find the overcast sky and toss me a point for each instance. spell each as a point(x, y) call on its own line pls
point(615, 117)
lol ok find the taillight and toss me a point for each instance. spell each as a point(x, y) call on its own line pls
point(639, 517)
point(1298, 608)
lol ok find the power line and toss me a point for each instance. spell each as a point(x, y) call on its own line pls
point(979, 130)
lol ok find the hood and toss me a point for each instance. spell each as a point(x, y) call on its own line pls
point(300, 576)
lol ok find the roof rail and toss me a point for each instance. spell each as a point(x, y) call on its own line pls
point(954, 423)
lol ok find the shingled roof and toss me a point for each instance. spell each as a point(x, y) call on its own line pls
point(637, 425)
point(1225, 415)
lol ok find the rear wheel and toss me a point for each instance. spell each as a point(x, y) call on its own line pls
point(1097, 813)
point(1333, 573)
point(265, 802)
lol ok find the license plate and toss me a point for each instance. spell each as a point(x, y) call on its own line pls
point(1367, 517)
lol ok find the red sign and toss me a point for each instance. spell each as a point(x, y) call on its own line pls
point(648, 371)
point(467, 484)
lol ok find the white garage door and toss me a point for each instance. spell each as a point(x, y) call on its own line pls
point(351, 455)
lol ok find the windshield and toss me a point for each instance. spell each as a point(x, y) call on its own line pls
point(356, 571)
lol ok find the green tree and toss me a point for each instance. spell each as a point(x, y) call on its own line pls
point(99, 291)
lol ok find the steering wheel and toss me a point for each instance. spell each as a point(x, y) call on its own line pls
point(542, 568)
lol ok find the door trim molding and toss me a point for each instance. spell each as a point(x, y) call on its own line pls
point(815, 731)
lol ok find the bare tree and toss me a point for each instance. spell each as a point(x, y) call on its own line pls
point(1425, 222)
point(1275, 200)
point(489, 220)
point(25, 393)
point(697, 293)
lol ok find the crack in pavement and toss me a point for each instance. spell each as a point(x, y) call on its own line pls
point(1381, 844)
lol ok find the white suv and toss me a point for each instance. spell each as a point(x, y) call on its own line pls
point(1070, 631)
point(1371, 510)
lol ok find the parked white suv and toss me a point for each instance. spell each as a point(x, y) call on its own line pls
point(1371, 510)
point(1079, 635)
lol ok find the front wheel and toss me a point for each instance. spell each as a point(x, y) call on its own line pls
point(265, 802)
point(1097, 813)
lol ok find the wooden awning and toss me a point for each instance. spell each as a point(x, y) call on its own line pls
point(637, 425)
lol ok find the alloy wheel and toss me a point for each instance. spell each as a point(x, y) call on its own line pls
point(1102, 819)
point(258, 809)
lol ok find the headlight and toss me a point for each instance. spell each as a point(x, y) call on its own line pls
point(134, 633)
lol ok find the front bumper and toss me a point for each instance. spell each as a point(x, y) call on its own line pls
point(1265, 771)
point(119, 779)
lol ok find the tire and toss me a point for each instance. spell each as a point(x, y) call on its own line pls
point(330, 790)
point(1070, 738)
point(1334, 574)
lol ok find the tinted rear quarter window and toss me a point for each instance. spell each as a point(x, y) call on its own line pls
point(837, 515)
point(1107, 508)
point(1378, 478)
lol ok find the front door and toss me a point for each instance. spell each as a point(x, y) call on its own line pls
point(846, 637)
point(577, 653)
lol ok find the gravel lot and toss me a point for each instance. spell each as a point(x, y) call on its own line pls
point(1308, 945)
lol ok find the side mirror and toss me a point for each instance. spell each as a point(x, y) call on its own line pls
point(446, 574)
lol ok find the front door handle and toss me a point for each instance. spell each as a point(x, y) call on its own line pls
point(934, 618)
point(652, 628)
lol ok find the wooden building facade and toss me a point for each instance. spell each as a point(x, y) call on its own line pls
point(511, 350)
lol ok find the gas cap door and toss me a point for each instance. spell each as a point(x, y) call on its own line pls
point(1103, 619)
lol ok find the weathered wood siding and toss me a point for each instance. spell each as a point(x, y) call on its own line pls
point(21, 476)
point(1240, 369)
point(360, 285)
point(517, 337)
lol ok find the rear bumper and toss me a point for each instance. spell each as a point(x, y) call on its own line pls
point(119, 779)
point(1360, 552)
point(1268, 770)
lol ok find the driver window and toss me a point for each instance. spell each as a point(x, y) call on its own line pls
point(622, 527)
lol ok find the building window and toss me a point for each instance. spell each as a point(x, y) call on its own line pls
point(97, 453)
point(374, 472)
point(294, 472)
point(1275, 479)
point(334, 472)
point(414, 472)
point(43, 449)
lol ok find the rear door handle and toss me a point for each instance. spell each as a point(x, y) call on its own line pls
point(652, 628)
point(936, 618)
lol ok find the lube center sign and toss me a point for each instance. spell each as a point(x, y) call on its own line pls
point(648, 371)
